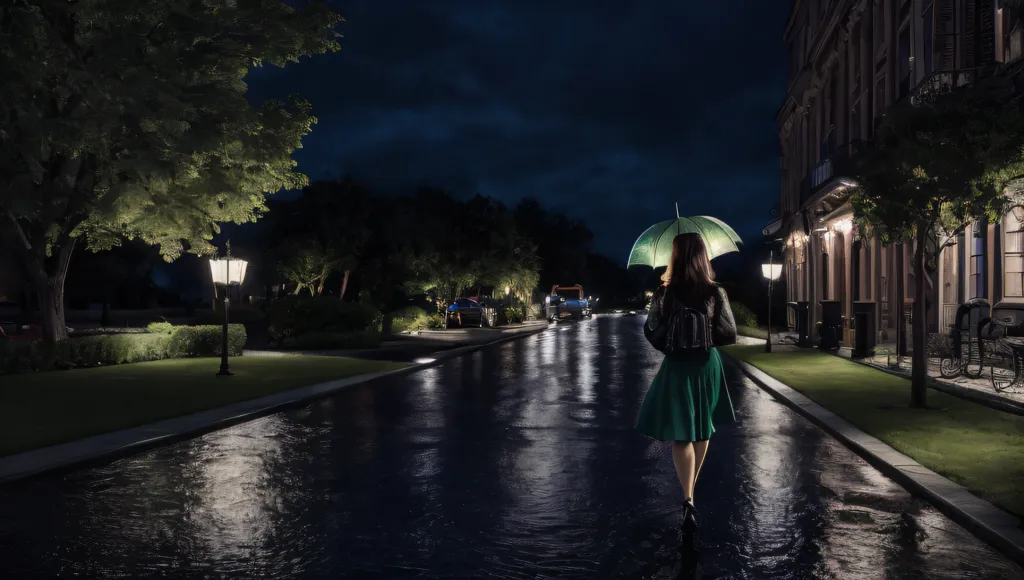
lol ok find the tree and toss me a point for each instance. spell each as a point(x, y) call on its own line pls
point(327, 227)
point(307, 265)
point(129, 119)
point(445, 258)
point(934, 166)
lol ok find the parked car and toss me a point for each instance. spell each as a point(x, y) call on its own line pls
point(465, 312)
point(10, 313)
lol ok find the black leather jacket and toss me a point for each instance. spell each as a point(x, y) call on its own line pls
point(723, 325)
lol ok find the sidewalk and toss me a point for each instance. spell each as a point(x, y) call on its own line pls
point(409, 347)
point(999, 528)
point(110, 446)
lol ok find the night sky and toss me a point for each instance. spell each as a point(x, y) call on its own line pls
point(609, 111)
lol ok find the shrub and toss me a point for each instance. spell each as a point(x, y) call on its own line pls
point(295, 316)
point(160, 341)
point(242, 314)
point(436, 322)
point(333, 340)
point(514, 315)
point(941, 345)
point(412, 318)
point(744, 316)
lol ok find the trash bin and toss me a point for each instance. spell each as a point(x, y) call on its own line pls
point(831, 324)
point(800, 310)
point(864, 329)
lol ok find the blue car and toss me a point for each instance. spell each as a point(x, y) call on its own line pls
point(465, 313)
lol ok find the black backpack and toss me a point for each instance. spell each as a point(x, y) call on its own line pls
point(682, 329)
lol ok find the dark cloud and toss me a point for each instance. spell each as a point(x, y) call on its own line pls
point(608, 110)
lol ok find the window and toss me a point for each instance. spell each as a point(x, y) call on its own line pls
point(1000, 33)
point(1013, 253)
point(976, 282)
point(928, 18)
point(904, 63)
point(880, 92)
point(826, 291)
point(879, 22)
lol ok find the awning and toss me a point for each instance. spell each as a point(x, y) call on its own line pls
point(843, 211)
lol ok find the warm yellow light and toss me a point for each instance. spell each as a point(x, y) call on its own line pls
point(771, 271)
point(843, 226)
point(227, 271)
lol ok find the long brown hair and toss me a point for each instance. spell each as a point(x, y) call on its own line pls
point(689, 271)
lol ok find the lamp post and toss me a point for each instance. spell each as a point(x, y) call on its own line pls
point(226, 272)
point(772, 272)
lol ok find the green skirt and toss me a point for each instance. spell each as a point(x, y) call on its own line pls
point(687, 399)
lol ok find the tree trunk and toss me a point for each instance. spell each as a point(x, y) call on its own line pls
point(47, 275)
point(899, 300)
point(919, 376)
point(51, 308)
point(344, 284)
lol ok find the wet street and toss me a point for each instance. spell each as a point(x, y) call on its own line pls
point(518, 461)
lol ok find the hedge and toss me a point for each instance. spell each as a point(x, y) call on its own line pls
point(159, 341)
point(743, 315)
point(332, 340)
point(295, 316)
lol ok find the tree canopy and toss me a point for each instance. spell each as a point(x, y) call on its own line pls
point(934, 166)
point(937, 166)
point(129, 119)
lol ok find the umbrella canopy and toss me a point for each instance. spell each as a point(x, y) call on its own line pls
point(654, 247)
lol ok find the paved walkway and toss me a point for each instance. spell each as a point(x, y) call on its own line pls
point(997, 527)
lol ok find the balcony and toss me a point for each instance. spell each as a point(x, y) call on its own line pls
point(837, 163)
point(941, 82)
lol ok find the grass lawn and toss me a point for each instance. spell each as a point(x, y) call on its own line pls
point(975, 446)
point(41, 409)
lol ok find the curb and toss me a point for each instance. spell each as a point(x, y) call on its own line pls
point(106, 447)
point(992, 525)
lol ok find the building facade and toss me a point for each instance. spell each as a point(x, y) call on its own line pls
point(849, 61)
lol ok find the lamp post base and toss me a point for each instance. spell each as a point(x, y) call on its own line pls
point(768, 344)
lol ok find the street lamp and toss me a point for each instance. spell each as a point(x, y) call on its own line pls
point(226, 272)
point(772, 272)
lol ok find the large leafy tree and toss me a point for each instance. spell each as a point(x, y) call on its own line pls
point(445, 256)
point(934, 166)
point(325, 231)
point(129, 119)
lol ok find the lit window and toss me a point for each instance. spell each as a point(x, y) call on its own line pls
point(1013, 257)
point(976, 285)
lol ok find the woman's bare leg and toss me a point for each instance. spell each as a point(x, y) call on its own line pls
point(684, 460)
point(700, 451)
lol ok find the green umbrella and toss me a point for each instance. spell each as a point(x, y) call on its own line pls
point(654, 247)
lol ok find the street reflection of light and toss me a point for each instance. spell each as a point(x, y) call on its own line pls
point(771, 477)
point(587, 362)
point(549, 349)
point(238, 499)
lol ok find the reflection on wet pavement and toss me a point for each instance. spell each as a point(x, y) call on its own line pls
point(515, 462)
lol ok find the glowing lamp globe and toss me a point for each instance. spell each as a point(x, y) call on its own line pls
point(228, 272)
point(771, 271)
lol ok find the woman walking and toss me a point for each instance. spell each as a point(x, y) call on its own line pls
point(689, 317)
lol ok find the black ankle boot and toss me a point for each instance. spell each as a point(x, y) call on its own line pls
point(688, 529)
point(689, 517)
